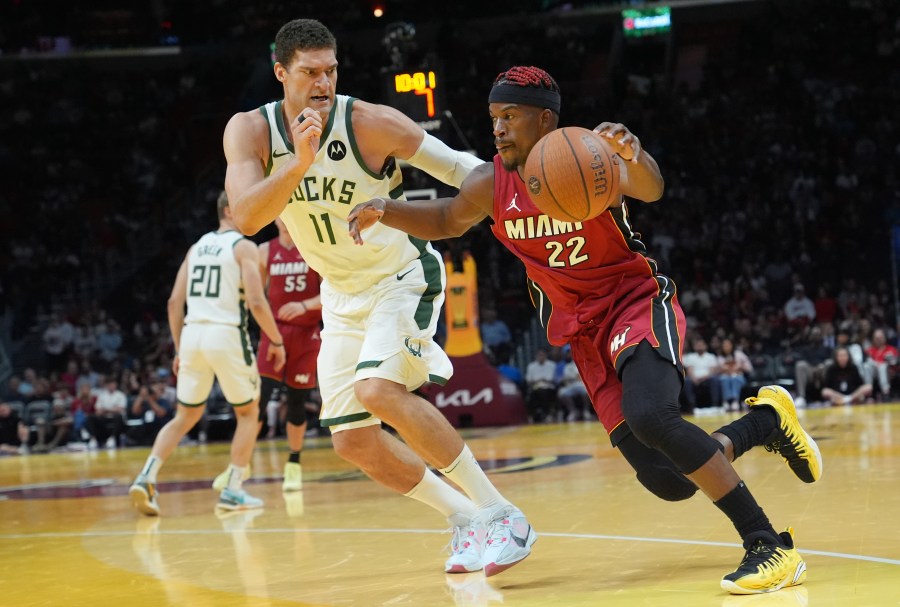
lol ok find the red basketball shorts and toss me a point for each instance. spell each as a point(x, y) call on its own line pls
point(301, 345)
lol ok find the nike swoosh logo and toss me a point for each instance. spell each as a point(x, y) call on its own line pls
point(400, 276)
point(521, 541)
point(277, 155)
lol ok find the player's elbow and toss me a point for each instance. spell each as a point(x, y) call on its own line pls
point(257, 305)
point(245, 222)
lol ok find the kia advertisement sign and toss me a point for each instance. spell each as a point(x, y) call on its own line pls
point(478, 395)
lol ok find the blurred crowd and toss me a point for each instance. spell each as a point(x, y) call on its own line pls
point(779, 148)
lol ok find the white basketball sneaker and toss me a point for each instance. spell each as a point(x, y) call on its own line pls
point(221, 481)
point(466, 545)
point(238, 500)
point(509, 540)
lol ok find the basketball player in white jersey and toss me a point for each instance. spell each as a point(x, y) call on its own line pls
point(218, 280)
point(309, 159)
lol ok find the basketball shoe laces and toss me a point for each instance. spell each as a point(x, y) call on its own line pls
point(463, 540)
point(763, 558)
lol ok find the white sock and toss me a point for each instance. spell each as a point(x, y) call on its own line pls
point(235, 477)
point(151, 468)
point(442, 497)
point(465, 472)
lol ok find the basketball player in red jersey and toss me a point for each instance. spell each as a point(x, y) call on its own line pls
point(596, 289)
point(293, 293)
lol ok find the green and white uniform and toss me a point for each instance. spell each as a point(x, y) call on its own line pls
point(214, 342)
point(379, 300)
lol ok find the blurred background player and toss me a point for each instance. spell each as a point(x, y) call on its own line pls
point(218, 280)
point(292, 288)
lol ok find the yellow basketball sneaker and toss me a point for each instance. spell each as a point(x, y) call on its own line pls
point(293, 477)
point(221, 481)
point(791, 441)
point(767, 567)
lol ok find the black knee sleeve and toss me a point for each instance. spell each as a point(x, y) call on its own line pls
point(266, 388)
point(650, 389)
point(655, 471)
point(296, 405)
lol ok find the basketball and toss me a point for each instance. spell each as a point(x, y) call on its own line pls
point(572, 174)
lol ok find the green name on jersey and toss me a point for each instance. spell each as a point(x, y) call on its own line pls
point(314, 188)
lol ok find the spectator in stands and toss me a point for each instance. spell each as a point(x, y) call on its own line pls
point(88, 376)
point(58, 426)
point(56, 346)
point(13, 433)
point(69, 377)
point(153, 409)
point(826, 306)
point(541, 391)
point(799, 310)
point(843, 385)
point(572, 393)
point(734, 366)
point(85, 342)
point(701, 369)
point(109, 341)
point(13, 392)
point(83, 406)
point(857, 355)
point(881, 362)
point(28, 383)
point(495, 334)
point(813, 357)
point(108, 422)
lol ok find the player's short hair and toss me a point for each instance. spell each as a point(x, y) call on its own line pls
point(222, 204)
point(529, 85)
point(302, 35)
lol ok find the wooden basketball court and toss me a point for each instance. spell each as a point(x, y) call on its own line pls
point(68, 535)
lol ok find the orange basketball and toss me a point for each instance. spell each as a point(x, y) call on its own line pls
point(572, 174)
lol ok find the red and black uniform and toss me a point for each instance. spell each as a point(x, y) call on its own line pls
point(594, 288)
point(291, 279)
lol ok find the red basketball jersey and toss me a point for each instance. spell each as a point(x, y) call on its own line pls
point(291, 279)
point(576, 270)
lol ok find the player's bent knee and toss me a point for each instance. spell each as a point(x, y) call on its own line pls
point(374, 394)
point(666, 483)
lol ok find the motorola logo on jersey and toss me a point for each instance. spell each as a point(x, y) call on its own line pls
point(337, 150)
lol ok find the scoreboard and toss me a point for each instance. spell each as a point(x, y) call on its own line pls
point(416, 93)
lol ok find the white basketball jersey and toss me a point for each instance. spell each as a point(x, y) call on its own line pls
point(338, 180)
point(215, 292)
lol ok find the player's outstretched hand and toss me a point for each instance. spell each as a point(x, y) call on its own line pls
point(364, 215)
point(307, 129)
point(621, 140)
point(277, 356)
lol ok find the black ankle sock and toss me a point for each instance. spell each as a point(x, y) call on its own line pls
point(294, 457)
point(747, 516)
point(751, 430)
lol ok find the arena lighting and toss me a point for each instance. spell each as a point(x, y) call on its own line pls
point(378, 12)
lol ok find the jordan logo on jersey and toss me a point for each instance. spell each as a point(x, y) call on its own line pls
point(618, 340)
point(337, 150)
point(513, 205)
